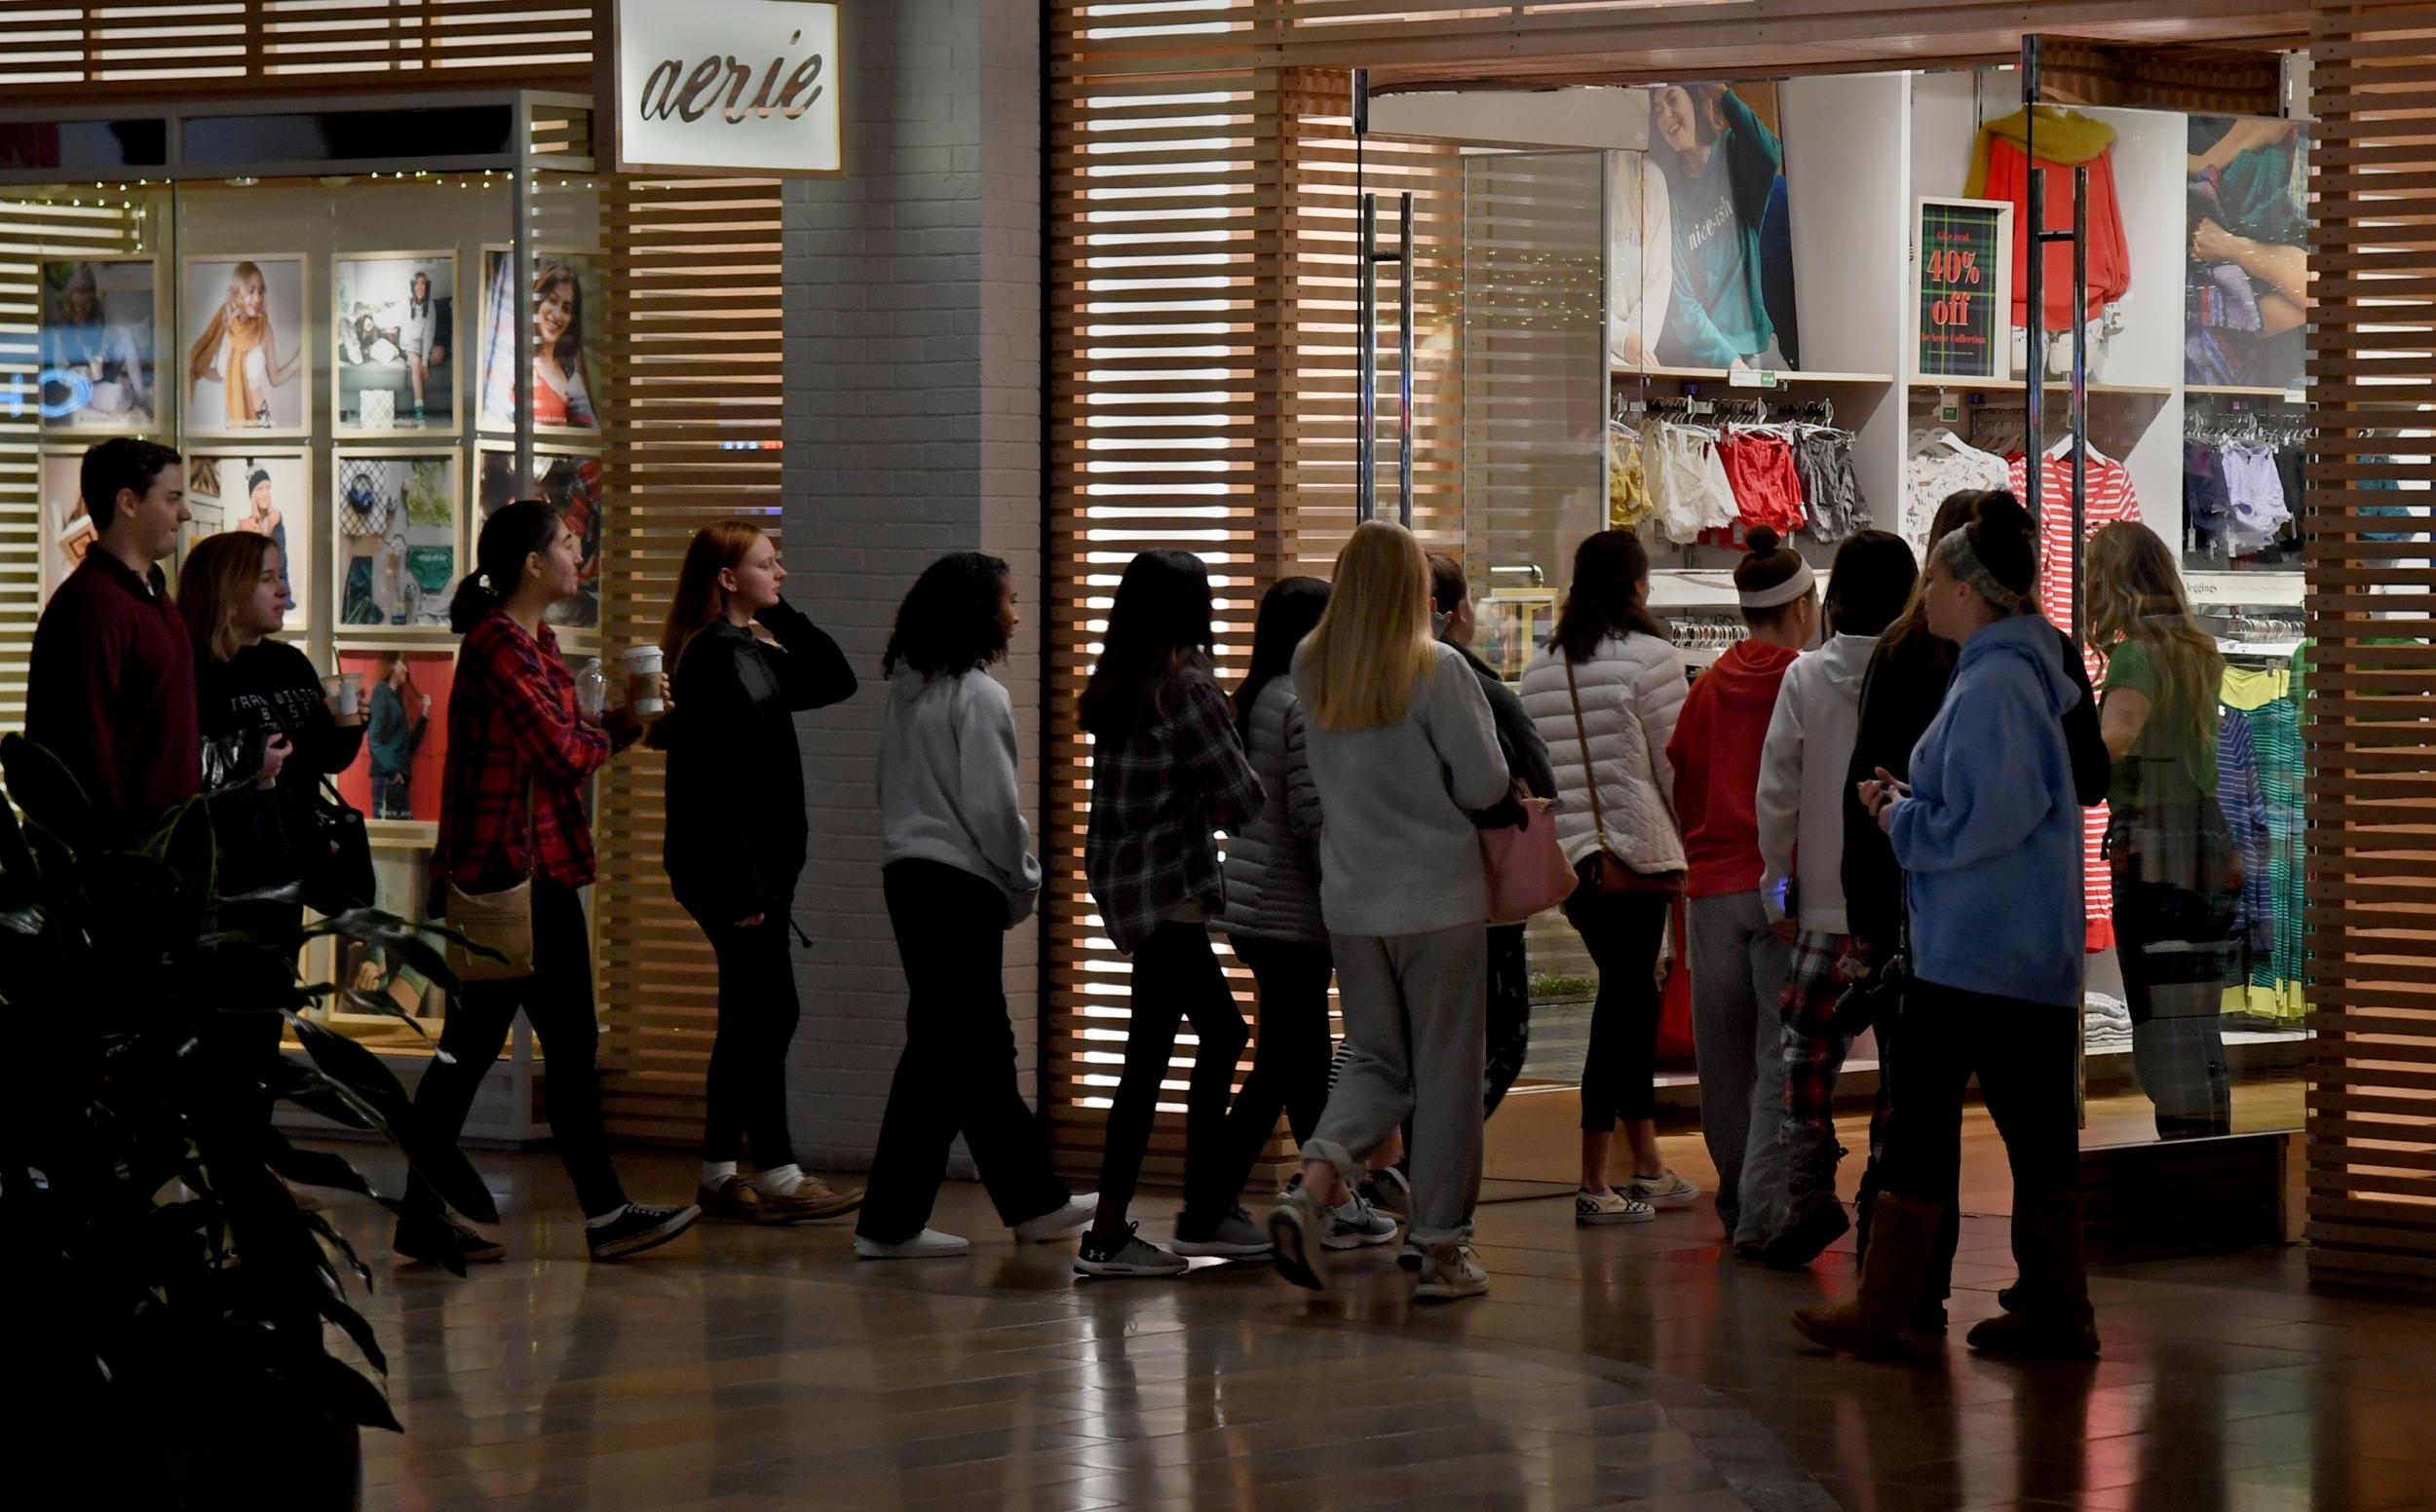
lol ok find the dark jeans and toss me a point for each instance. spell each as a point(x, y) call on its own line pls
point(1175, 978)
point(1290, 1058)
point(392, 795)
point(958, 1071)
point(745, 1096)
point(558, 999)
point(1624, 931)
point(2024, 1054)
point(1510, 1011)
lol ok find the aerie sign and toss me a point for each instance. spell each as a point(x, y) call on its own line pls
point(728, 86)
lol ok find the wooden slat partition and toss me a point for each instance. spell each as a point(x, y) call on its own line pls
point(694, 274)
point(2372, 779)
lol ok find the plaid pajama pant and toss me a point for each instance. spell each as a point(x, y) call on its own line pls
point(1815, 1054)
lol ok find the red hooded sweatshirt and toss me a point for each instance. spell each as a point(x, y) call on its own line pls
point(1716, 757)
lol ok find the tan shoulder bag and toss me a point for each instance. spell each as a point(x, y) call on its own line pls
point(1611, 874)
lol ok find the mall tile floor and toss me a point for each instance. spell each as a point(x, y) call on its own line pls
point(1638, 1366)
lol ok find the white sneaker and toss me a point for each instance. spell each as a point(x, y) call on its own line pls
point(1594, 1208)
point(1357, 1225)
point(928, 1245)
point(1058, 1222)
point(1449, 1271)
point(1664, 1190)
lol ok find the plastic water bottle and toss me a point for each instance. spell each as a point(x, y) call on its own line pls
point(591, 690)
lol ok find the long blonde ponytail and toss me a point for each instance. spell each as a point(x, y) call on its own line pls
point(1372, 646)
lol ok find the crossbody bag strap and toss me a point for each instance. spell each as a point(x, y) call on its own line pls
point(1590, 768)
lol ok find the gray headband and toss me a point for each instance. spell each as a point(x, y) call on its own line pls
point(1955, 551)
point(1798, 585)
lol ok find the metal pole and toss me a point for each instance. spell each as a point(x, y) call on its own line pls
point(1366, 465)
point(2080, 385)
point(520, 283)
point(1404, 355)
point(2034, 381)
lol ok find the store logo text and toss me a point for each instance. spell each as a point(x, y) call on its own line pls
point(701, 89)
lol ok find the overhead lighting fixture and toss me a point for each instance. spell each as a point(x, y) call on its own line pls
point(244, 181)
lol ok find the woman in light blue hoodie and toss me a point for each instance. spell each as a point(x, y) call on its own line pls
point(1989, 833)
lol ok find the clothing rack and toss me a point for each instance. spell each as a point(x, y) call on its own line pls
point(2240, 424)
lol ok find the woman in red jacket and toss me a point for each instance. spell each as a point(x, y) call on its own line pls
point(1739, 960)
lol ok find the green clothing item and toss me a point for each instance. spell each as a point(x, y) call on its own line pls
point(1718, 314)
point(2174, 760)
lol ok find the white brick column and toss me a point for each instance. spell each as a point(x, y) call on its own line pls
point(913, 425)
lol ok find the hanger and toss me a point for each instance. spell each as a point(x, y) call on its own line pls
point(1921, 440)
point(2066, 444)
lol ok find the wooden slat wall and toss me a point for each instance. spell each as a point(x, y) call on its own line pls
point(692, 436)
point(2372, 782)
point(236, 46)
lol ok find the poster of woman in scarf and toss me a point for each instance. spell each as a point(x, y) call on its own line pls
point(1731, 296)
point(2246, 296)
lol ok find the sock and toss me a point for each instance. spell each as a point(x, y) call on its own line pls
point(608, 1218)
point(717, 1173)
point(780, 1180)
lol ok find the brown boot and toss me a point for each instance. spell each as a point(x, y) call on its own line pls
point(812, 1199)
point(2050, 1316)
point(1874, 1323)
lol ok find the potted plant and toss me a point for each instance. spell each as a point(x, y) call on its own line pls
point(171, 1303)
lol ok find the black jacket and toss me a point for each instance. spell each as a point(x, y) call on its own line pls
point(1517, 737)
point(267, 689)
point(735, 771)
point(1900, 695)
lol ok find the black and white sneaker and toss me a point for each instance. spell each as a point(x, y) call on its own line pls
point(1233, 1236)
point(1135, 1257)
point(638, 1228)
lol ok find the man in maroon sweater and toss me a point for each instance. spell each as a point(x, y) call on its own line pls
point(112, 688)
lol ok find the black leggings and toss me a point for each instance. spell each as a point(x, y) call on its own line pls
point(958, 1071)
point(746, 1097)
point(1510, 1011)
point(1290, 1057)
point(1175, 978)
point(1622, 930)
point(557, 998)
point(2024, 1054)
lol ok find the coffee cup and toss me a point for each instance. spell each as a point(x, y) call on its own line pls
point(642, 682)
point(345, 695)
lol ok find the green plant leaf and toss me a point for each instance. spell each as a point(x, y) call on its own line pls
point(344, 1393)
point(359, 1074)
point(419, 947)
point(351, 1323)
point(51, 799)
point(315, 1167)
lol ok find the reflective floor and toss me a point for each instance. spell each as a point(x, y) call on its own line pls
point(749, 1368)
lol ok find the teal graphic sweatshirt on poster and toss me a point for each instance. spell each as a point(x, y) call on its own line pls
point(1991, 837)
point(1718, 314)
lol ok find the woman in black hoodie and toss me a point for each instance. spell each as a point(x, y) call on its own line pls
point(742, 661)
point(1900, 695)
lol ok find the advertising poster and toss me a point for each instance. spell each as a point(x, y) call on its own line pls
point(574, 483)
point(1707, 271)
point(405, 737)
point(393, 335)
point(68, 531)
point(564, 334)
point(248, 368)
point(2246, 300)
point(397, 530)
point(100, 322)
point(267, 493)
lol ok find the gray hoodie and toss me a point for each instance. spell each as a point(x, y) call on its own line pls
point(1800, 804)
point(948, 782)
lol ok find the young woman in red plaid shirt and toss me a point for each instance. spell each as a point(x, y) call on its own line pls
point(520, 753)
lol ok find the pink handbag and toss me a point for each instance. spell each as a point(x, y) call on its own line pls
point(1527, 870)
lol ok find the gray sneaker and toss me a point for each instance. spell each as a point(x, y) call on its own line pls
point(1135, 1257)
point(1233, 1236)
point(1449, 1271)
point(1357, 1226)
point(1298, 1227)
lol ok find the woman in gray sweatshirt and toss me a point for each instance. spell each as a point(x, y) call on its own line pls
point(958, 871)
point(1403, 751)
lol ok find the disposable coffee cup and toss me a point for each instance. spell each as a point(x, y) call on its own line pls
point(642, 681)
point(345, 692)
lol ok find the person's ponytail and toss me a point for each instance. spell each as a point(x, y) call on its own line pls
point(512, 533)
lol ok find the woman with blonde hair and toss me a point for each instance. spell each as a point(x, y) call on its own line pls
point(1403, 751)
point(240, 351)
point(741, 662)
point(2176, 874)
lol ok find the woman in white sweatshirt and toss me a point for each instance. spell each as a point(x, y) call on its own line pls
point(959, 873)
point(1800, 807)
point(1403, 751)
point(1604, 694)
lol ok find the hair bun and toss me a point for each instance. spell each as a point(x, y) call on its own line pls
point(1761, 540)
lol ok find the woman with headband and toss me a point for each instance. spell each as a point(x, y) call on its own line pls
point(1989, 834)
point(1739, 959)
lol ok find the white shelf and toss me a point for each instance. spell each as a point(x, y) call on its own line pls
point(2251, 391)
point(2016, 386)
point(1786, 378)
point(2264, 589)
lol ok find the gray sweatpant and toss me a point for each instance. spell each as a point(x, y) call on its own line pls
point(1738, 968)
point(1416, 1016)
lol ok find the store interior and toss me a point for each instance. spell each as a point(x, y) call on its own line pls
point(1610, 378)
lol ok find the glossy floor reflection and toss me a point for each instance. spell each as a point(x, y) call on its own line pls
point(1623, 1367)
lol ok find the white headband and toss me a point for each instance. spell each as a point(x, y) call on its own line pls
point(1798, 585)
